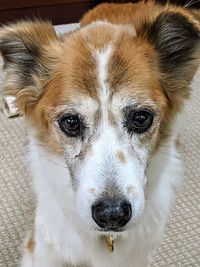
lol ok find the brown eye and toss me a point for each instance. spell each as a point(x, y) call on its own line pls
point(71, 125)
point(139, 121)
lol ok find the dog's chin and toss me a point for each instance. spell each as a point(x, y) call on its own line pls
point(121, 233)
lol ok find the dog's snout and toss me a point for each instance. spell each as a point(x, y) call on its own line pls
point(111, 214)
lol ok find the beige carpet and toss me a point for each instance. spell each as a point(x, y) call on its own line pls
point(181, 246)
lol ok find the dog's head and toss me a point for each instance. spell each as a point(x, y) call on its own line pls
point(104, 97)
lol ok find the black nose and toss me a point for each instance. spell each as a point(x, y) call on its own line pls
point(111, 214)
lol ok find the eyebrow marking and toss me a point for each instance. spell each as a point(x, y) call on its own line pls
point(120, 156)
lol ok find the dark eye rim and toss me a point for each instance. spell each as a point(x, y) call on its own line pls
point(135, 129)
point(76, 133)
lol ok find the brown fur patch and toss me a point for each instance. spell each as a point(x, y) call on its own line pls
point(134, 13)
point(120, 157)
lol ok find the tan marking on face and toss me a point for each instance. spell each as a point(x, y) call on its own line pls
point(121, 157)
point(130, 189)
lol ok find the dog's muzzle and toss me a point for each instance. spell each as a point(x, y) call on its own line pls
point(111, 214)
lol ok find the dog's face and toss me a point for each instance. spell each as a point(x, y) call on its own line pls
point(104, 97)
point(108, 125)
point(115, 137)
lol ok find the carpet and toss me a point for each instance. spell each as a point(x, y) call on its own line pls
point(181, 245)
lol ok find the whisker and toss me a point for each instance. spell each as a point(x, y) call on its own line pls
point(58, 164)
point(187, 2)
point(191, 2)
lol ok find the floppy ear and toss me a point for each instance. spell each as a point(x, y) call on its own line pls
point(25, 49)
point(176, 39)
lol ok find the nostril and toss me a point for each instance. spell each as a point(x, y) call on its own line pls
point(103, 223)
point(122, 222)
point(126, 213)
point(98, 214)
point(126, 207)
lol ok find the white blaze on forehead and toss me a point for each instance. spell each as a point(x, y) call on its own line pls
point(103, 57)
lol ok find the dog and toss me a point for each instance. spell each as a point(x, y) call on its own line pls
point(103, 107)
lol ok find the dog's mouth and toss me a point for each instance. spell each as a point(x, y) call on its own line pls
point(110, 230)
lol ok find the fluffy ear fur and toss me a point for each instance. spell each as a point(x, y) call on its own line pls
point(25, 49)
point(177, 41)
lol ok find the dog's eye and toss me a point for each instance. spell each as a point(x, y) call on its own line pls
point(71, 125)
point(139, 121)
